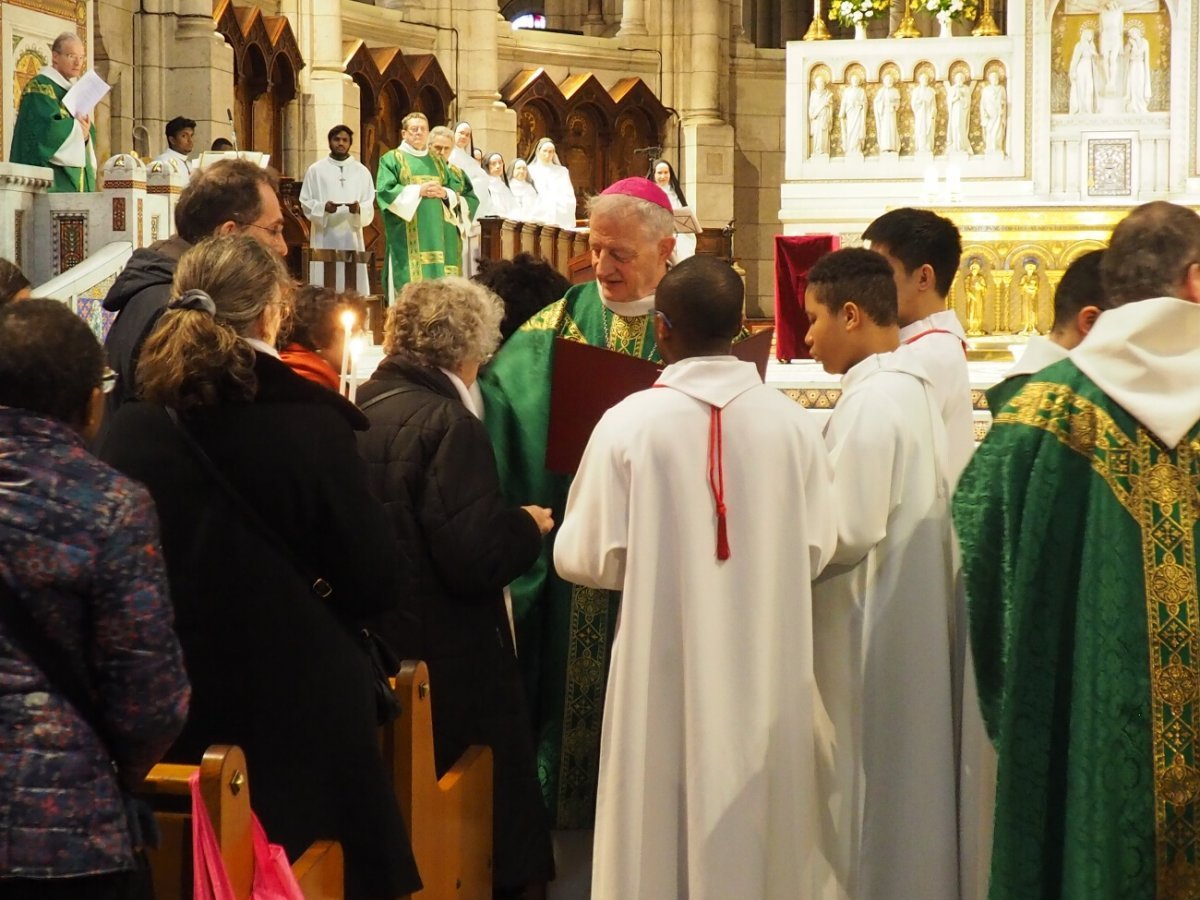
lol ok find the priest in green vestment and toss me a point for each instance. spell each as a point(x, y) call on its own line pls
point(412, 189)
point(564, 631)
point(441, 145)
point(46, 134)
point(1078, 519)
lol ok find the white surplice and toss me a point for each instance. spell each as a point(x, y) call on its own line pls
point(685, 242)
point(940, 343)
point(504, 204)
point(479, 184)
point(341, 181)
point(172, 155)
point(883, 626)
point(707, 776)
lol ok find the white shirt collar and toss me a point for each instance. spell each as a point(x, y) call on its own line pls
point(942, 320)
point(1145, 355)
point(413, 151)
point(56, 76)
point(262, 346)
point(464, 394)
point(632, 308)
point(1039, 353)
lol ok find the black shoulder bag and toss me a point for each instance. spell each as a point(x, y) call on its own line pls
point(51, 661)
point(382, 659)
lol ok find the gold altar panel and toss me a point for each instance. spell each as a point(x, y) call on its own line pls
point(1004, 244)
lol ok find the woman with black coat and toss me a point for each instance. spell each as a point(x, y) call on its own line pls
point(430, 461)
point(274, 668)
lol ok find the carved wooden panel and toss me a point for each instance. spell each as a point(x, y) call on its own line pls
point(581, 152)
point(628, 155)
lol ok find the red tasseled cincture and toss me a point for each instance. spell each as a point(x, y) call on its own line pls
point(716, 480)
point(917, 337)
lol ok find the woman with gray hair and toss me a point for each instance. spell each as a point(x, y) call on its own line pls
point(430, 461)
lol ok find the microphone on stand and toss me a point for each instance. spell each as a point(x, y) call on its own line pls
point(232, 130)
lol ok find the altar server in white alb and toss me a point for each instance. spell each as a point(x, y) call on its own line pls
point(706, 500)
point(338, 198)
point(883, 609)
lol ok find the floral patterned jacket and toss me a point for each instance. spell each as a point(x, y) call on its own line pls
point(79, 544)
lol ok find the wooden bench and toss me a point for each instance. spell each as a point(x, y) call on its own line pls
point(225, 787)
point(449, 819)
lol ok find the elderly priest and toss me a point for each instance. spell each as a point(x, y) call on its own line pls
point(46, 134)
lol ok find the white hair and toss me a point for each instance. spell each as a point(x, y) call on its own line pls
point(657, 223)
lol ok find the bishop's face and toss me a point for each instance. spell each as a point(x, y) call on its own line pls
point(628, 264)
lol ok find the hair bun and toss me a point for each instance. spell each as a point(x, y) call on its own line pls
point(195, 299)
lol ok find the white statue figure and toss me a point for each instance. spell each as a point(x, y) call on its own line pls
point(1082, 72)
point(1112, 37)
point(820, 117)
point(958, 114)
point(853, 113)
point(924, 108)
point(993, 110)
point(1137, 80)
point(887, 105)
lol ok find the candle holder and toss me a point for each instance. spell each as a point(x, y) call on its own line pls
point(986, 26)
point(816, 28)
point(907, 27)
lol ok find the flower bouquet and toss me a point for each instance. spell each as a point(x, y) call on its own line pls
point(858, 12)
point(947, 11)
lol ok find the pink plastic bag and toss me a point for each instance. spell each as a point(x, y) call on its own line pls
point(273, 878)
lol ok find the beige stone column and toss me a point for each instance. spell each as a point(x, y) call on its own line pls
point(707, 138)
point(633, 18)
point(593, 22)
point(478, 100)
point(189, 72)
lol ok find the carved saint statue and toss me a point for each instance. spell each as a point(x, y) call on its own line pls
point(1029, 286)
point(1082, 72)
point(976, 284)
point(820, 117)
point(958, 113)
point(1137, 78)
point(924, 108)
point(853, 113)
point(993, 110)
point(887, 105)
point(1112, 25)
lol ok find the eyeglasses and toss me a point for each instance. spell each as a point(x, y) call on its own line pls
point(108, 380)
point(74, 57)
point(276, 232)
point(663, 316)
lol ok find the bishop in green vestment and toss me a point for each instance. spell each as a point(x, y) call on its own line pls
point(565, 631)
point(46, 134)
point(411, 187)
point(1078, 519)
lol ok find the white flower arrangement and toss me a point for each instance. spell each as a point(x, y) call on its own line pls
point(948, 9)
point(859, 12)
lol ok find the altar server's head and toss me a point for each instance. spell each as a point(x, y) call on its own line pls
point(851, 307)
point(181, 134)
point(341, 139)
point(698, 309)
point(631, 236)
point(52, 365)
point(1154, 252)
point(924, 251)
point(1078, 300)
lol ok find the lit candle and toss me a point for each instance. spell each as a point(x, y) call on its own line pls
point(348, 319)
point(931, 183)
point(356, 349)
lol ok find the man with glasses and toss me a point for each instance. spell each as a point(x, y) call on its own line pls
point(46, 134)
point(1077, 518)
point(229, 197)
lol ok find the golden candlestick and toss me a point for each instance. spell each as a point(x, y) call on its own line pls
point(986, 27)
point(816, 28)
point(907, 27)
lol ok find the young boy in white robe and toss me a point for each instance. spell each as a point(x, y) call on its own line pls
point(706, 500)
point(883, 608)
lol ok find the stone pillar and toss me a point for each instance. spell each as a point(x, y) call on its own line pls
point(22, 188)
point(164, 183)
point(196, 75)
point(633, 18)
point(707, 61)
point(593, 22)
point(708, 140)
point(478, 101)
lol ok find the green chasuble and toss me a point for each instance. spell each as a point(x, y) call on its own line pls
point(1003, 391)
point(564, 631)
point(46, 134)
point(416, 249)
point(461, 185)
point(1078, 531)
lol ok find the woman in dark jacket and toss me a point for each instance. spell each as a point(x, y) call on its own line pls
point(272, 667)
point(430, 461)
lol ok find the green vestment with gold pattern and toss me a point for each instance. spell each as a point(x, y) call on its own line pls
point(45, 135)
point(564, 631)
point(416, 249)
point(1078, 531)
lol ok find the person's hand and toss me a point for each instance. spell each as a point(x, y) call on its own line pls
point(330, 206)
point(85, 122)
point(433, 189)
point(542, 516)
point(352, 208)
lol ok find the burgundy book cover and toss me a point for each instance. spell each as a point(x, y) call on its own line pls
point(756, 349)
point(587, 382)
point(794, 256)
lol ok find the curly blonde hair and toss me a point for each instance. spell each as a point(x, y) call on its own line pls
point(444, 323)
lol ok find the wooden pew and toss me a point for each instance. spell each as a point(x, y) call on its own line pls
point(449, 819)
point(225, 787)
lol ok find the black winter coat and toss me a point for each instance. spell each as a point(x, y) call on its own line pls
point(272, 668)
point(430, 461)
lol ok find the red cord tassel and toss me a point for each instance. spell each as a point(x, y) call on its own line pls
point(716, 480)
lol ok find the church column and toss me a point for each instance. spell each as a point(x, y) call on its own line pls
point(493, 124)
point(633, 18)
point(328, 96)
point(593, 22)
point(199, 83)
point(707, 137)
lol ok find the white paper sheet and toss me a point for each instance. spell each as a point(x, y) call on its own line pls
point(89, 90)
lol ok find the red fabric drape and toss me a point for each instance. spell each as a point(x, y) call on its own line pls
point(794, 256)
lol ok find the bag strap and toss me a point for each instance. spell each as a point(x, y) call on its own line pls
point(367, 404)
point(50, 659)
point(319, 585)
